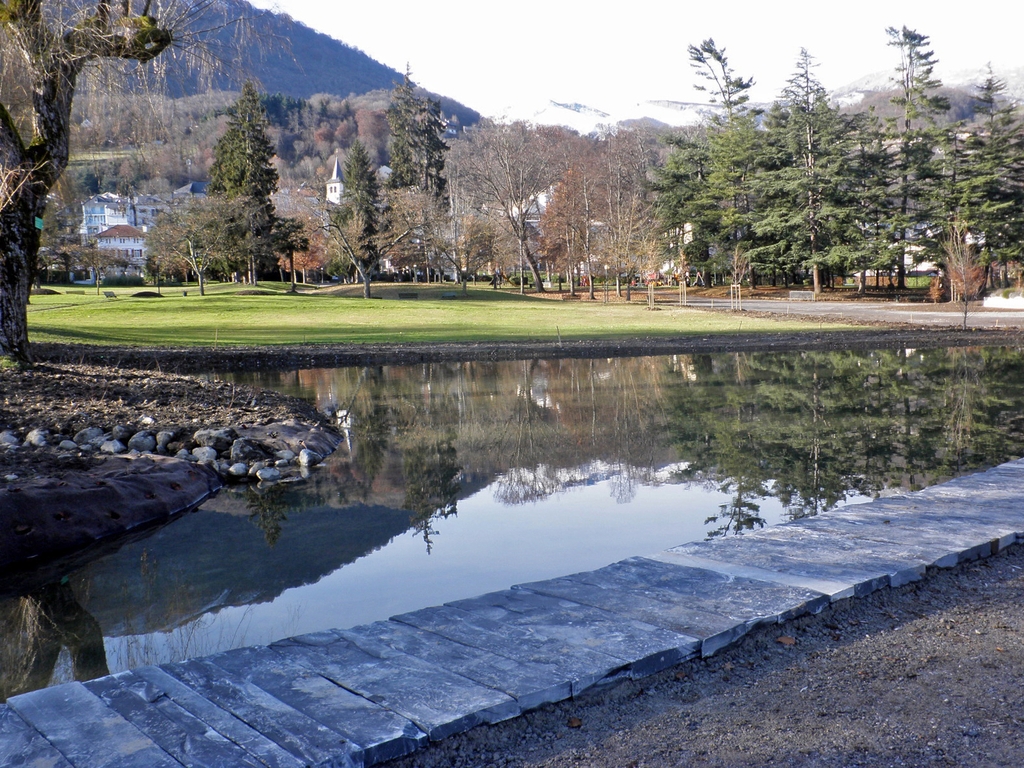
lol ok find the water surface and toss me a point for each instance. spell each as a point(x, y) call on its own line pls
point(456, 479)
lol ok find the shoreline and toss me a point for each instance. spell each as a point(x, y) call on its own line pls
point(193, 360)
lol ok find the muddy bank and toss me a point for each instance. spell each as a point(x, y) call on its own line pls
point(207, 359)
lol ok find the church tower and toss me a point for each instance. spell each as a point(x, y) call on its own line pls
point(335, 185)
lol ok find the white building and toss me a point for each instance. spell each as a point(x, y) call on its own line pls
point(127, 245)
point(101, 212)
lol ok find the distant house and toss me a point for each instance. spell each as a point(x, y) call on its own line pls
point(192, 189)
point(101, 212)
point(127, 244)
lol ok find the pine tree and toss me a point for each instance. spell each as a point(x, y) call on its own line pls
point(988, 192)
point(915, 141)
point(800, 209)
point(242, 169)
point(417, 145)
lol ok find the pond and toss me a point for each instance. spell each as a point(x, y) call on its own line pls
point(461, 478)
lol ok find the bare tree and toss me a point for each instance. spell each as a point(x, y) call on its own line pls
point(198, 235)
point(506, 167)
point(966, 275)
point(45, 45)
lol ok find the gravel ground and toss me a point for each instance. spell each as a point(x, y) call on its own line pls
point(927, 674)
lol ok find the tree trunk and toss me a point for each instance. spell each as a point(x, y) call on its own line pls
point(366, 283)
point(291, 269)
point(18, 239)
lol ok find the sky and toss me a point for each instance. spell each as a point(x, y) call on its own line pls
point(491, 56)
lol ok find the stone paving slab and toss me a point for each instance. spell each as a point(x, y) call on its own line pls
point(715, 608)
point(438, 701)
point(530, 684)
point(865, 565)
point(22, 745)
point(86, 731)
point(644, 647)
point(578, 667)
point(375, 734)
point(302, 736)
point(223, 722)
point(184, 737)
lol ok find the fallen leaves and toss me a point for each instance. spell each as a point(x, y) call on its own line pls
point(575, 722)
point(785, 640)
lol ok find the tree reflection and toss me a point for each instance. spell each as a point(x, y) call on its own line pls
point(268, 508)
point(36, 628)
point(432, 487)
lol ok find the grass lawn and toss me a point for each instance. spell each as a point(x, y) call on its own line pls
point(333, 315)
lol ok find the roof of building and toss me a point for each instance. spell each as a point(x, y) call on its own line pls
point(122, 230)
point(336, 175)
point(192, 188)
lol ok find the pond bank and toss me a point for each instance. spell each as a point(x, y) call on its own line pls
point(207, 359)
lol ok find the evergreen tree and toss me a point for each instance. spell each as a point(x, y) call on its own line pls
point(915, 142)
point(732, 143)
point(801, 171)
point(988, 191)
point(417, 146)
point(242, 170)
point(868, 180)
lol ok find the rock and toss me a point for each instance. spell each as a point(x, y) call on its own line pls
point(205, 453)
point(147, 421)
point(164, 438)
point(269, 474)
point(183, 454)
point(142, 441)
point(247, 450)
point(285, 455)
point(219, 439)
point(10, 478)
point(7, 437)
point(282, 464)
point(38, 438)
point(68, 445)
point(113, 446)
point(121, 432)
point(308, 458)
point(257, 467)
point(89, 436)
point(241, 469)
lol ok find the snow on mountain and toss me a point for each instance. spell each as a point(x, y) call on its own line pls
point(586, 119)
point(853, 93)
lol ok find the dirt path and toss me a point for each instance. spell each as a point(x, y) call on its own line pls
point(924, 675)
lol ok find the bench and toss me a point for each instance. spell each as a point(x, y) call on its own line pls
point(801, 295)
point(110, 294)
point(449, 295)
point(408, 295)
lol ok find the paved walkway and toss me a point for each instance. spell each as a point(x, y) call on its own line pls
point(362, 696)
point(923, 314)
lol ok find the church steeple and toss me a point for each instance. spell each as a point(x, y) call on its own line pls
point(335, 185)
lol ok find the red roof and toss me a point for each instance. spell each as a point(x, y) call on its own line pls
point(122, 230)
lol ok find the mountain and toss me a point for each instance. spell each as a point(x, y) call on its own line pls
point(588, 119)
point(285, 56)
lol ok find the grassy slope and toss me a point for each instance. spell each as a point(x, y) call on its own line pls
point(227, 318)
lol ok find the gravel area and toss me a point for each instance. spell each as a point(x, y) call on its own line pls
point(923, 675)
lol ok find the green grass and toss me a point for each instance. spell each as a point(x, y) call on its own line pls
point(223, 317)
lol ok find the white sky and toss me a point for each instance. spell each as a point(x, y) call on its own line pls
point(491, 55)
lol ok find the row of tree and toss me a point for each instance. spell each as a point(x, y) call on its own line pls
point(805, 187)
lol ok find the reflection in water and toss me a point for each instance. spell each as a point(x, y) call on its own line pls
point(36, 629)
point(561, 459)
